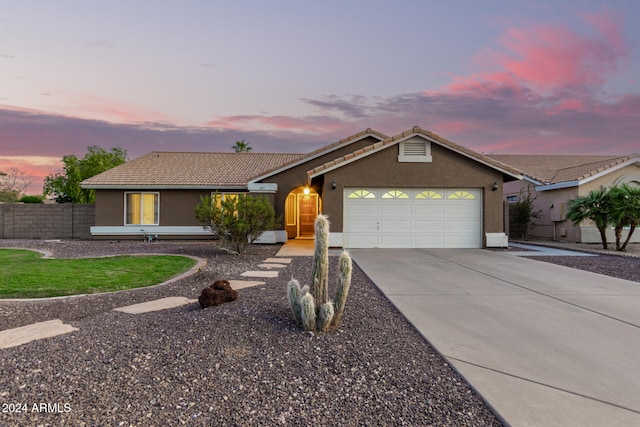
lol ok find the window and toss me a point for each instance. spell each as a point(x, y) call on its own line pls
point(290, 209)
point(429, 195)
point(415, 150)
point(219, 197)
point(361, 194)
point(142, 208)
point(395, 194)
point(462, 195)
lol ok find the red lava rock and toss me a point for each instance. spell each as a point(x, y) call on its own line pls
point(218, 293)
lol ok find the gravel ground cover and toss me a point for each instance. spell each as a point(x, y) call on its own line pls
point(242, 363)
point(625, 265)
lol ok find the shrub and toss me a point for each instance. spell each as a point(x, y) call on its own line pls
point(32, 199)
point(237, 221)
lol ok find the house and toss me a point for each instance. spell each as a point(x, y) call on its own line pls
point(554, 179)
point(415, 189)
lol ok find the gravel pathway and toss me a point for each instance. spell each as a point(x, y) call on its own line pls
point(242, 363)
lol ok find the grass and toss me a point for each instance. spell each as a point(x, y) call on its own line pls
point(25, 274)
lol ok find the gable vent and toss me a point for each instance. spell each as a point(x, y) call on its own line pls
point(415, 150)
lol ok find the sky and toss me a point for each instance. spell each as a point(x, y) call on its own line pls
point(497, 76)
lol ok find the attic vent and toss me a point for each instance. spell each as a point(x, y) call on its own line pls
point(415, 149)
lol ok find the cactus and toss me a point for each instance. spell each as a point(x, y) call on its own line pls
point(308, 312)
point(346, 267)
point(311, 306)
point(320, 272)
point(295, 294)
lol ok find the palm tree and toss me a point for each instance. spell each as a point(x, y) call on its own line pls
point(595, 206)
point(625, 211)
point(242, 147)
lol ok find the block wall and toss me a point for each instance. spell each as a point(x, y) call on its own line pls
point(45, 221)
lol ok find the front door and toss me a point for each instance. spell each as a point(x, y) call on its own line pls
point(307, 210)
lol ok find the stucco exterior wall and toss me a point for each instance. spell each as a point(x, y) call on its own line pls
point(297, 176)
point(447, 170)
point(553, 224)
point(631, 172)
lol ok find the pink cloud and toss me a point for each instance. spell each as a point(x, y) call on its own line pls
point(548, 57)
point(308, 124)
point(114, 111)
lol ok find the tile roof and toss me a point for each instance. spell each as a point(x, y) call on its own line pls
point(322, 150)
point(189, 169)
point(205, 169)
point(416, 130)
point(553, 169)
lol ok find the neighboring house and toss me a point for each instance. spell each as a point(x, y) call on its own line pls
point(414, 189)
point(555, 179)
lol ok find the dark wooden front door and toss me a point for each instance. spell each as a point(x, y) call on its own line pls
point(308, 210)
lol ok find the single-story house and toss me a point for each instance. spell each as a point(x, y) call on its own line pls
point(554, 179)
point(415, 189)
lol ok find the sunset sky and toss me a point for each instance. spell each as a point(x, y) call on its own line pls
point(497, 76)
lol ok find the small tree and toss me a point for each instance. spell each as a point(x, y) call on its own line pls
point(237, 221)
point(595, 207)
point(242, 147)
point(624, 211)
point(523, 212)
point(65, 185)
point(13, 184)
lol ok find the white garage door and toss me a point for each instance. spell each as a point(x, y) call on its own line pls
point(412, 218)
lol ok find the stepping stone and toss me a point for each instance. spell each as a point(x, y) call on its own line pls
point(272, 265)
point(241, 284)
point(260, 274)
point(18, 336)
point(155, 305)
point(278, 260)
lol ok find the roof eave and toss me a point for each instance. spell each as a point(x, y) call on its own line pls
point(557, 185)
point(311, 174)
point(367, 133)
point(579, 182)
point(162, 187)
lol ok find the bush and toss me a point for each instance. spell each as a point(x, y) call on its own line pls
point(32, 199)
point(523, 212)
point(237, 221)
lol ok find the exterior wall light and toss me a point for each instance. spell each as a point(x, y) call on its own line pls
point(495, 186)
point(333, 184)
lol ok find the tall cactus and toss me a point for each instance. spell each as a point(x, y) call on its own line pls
point(311, 306)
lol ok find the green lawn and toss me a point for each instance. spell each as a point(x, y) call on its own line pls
point(25, 274)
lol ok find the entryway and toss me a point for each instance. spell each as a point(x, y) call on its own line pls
point(301, 209)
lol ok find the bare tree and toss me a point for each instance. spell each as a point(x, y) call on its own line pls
point(15, 181)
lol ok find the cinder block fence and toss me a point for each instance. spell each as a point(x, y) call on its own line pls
point(45, 221)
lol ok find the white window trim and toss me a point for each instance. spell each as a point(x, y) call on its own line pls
point(125, 208)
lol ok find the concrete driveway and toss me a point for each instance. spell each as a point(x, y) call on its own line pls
point(545, 345)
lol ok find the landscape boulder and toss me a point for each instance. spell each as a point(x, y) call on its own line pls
point(218, 293)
